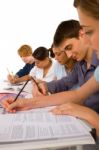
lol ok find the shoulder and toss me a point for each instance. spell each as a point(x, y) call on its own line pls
point(55, 63)
point(28, 65)
point(35, 68)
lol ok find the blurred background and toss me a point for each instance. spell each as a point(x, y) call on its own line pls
point(30, 22)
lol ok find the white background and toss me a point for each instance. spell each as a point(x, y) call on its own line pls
point(30, 22)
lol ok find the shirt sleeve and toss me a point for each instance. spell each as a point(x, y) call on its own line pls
point(96, 74)
point(25, 70)
point(64, 84)
point(33, 72)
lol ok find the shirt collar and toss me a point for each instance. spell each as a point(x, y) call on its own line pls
point(94, 62)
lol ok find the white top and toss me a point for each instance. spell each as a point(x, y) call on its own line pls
point(56, 71)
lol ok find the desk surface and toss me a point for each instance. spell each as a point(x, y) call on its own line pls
point(14, 88)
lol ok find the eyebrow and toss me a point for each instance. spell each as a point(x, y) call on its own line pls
point(83, 26)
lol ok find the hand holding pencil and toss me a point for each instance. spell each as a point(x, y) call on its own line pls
point(11, 78)
point(40, 88)
point(20, 104)
point(12, 105)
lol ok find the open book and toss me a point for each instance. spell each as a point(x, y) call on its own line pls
point(41, 124)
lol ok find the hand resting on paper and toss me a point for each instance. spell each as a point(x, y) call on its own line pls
point(79, 111)
point(73, 109)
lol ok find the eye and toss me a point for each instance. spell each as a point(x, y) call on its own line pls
point(89, 33)
point(68, 47)
point(58, 54)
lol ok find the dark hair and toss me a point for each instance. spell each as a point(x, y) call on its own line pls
point(40, 53)
point(51, 51)
point(89, 7)
point(66, 29)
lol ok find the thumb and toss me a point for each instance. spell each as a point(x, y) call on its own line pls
point(12, 106)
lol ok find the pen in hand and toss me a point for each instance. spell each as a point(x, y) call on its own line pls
point(10, 73)
point(18, 94)
point(11, 77)
point(36, 84)
point(21, 90)
point(24, 87)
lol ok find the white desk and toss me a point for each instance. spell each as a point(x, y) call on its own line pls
point(38, 145)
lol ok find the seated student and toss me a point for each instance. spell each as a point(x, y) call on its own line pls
point(46, 68)
point(25, 52)
point(70, 39)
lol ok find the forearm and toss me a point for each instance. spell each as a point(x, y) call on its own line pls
point(64, 84)
point(55, 99)
point(59, 85)
point(22, 79)
point(76, 96)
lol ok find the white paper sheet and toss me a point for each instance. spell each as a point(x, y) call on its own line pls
point(39, 126)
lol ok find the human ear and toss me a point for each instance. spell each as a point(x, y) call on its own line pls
point(81, 33)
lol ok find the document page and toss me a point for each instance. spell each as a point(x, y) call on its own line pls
point(38, 126)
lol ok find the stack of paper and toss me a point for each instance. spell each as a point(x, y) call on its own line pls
point(41, 125)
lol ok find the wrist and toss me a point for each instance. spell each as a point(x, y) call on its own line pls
point(94, 120)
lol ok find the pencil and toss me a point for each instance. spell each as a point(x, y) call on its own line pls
point(21, 90)
point(34, 81)
point(24, 87)
point(36, 84)
point(11, 73)
point(8, 71)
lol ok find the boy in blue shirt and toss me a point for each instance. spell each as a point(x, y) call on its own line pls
point(25, 52)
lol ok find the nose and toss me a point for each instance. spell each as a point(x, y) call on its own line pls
point(69, 54)
point(56, 57)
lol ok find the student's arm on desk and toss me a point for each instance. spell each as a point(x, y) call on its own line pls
point(76, 96)
point(79, 111)
point(19, 79)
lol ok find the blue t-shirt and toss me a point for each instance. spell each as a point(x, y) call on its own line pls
point(96, 74)
point(25, 70)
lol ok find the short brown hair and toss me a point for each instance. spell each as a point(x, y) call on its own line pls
point(25, 50)
point(66, 29)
